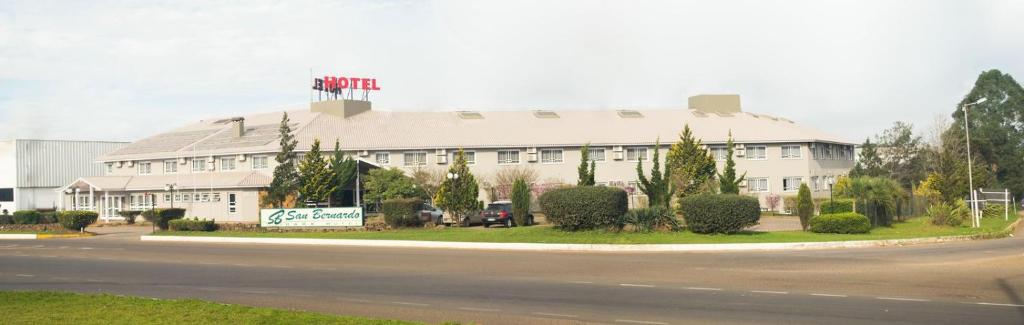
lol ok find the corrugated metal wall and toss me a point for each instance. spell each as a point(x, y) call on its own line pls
point(55, 163)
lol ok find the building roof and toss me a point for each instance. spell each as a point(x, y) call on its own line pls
point(182, 182)
point(403, 130)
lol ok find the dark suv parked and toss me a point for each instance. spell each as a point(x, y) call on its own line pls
point(500, 213)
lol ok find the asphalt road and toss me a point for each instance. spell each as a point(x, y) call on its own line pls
point(955, 283)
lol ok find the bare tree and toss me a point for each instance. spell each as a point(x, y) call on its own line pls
point(499, 187)
point(428, 179)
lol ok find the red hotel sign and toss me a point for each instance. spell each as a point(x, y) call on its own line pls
point(337, 84)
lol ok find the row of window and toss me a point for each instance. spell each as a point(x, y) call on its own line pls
point(505, 157)
point(790, 184)
point(199, 165)
point(756, 152)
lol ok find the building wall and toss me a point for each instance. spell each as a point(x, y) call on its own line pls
point(8, 172)
point(247, 204)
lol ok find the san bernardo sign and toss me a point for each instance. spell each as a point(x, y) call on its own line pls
point(312, 217)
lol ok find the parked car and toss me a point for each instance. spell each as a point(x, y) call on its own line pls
point(430, 213)
point(500, 213)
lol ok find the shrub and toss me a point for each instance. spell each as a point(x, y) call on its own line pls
point(836, 206)
point(990, 211)
point(26, 217)
point(584, 207)
point(841, 223)
point(789, 204)
point(129, 216)
point(6, 219)
point(520, 202)
point(649, 219)
point(402, 212)
point(193, 224)
point(804, 205)
point(720, 213)
point(160, 217)
point(47, 217)
point(945, 214)
point(77, 220)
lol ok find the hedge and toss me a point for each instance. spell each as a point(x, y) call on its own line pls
point(6, 219)
point(584, 207)
point(77, 220)
point(402, 212)
point(129, 216)
point(836, 206)
point(841, 223)
point(47, 217)
point(194, 224)
point(160, 217)
point(26, 217)
point(720, 213)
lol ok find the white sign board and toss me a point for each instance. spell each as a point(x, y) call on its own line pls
point(312, 217)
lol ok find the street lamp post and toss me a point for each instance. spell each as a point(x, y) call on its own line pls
point(169, 187)
point(970, 173)
point(831, 197)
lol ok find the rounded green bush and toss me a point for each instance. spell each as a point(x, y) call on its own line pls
point(77, 220)
point(720, 213)
point(6, 219)
point(194, 224)
point(836, 206)
point(160, 217)
point(584, 207)
point(26, 217)
point(841, 223)
point(400, 213)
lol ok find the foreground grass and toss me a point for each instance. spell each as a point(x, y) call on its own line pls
point(914, 228)
point(73, 308)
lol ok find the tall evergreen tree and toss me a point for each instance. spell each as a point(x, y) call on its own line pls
point(586, 175)
point(904, 158)
point(285, 181)
point(728, 182)
point(458, 194)
point(345, 169)
point(869, 163)
point(658, 189)
point(316, 179)
point(804, 205)
point(689, 164)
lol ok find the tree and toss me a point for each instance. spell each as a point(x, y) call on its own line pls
point(804, 205)
point(285, 181)
point(499, 186)
point(950, 168)
point(658, 189)
point(730, 184)
point(690, 165)
point(429, 180)
point(903, 158)
point(869, 163)
point(316, 179)
point(773, 202)
point(458, 194)
point(344, 169)
point(586, 175)
point(391, 183)
point(520, 202)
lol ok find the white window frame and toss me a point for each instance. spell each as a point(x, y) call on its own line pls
point(232, 203)
point(199, 168)
point(264, 159)
point(234, 163)
point(383, 162)
point(791, 147)
point(785, 180)
point(509, 161)
point(591, 155)
point(170, 166)
point(752, 188)
point(544, 160)
point(750, 148)
point(714, 152)
point(145, 168)
point(815, 183)
point(110, 168)
point(637, 156)
point(406, 161)
point(470, 156)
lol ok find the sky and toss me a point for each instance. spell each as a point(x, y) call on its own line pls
point(120, 70)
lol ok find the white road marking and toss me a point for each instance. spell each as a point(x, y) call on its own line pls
point(995, 304)
point(704, 289)
point(207, 263)
point(581, 282)
point(632, 321)
point(282, 267)
point(49, 256)
point(62, 247)
point(770, 292)
point(85, 248)
point(25, 275)
point(325, 269)
point(828, 295)
point(556, 315)
point(243, 265)
point(409, 303)
point(60, 278)
point(636, 285)
point(93, 280)
point(901, 299)
point(38, 246)
point(479, 309)
point(258, 292)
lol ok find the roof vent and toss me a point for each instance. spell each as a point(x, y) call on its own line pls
point(470, 115)
point(698, 113)
point(545, 114)
point(625, 113)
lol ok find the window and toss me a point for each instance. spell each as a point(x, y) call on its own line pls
point(6, 195)
point(551, 156)
point(198, 165)
point(719, 152)
point(216, 197)
point(791, 184)
point(227, 163)
point(170, 167)
point(596, 154)
point(232, 203)
point(259, 162)
point(470, 156)
point(196, 197)
point(757, 152)
point(508, 156)
point(141, 201)
point(757, 184)
point(415, 158)
point(790, 151)
point(145, 168)
point(205, 197)
point(110, 168)
point(382, 158)
point(636, 153)
point(167, 197)
point(815, 183)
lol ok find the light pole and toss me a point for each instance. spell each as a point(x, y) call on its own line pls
point(831, 197)
point(169, 187)
point(970, 173)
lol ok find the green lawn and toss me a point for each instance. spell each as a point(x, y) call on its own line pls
point(913, 228)
point(74, 308)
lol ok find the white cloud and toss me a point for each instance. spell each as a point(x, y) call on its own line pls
point(106, 70)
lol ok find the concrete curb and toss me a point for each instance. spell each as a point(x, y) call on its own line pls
point(17, 236)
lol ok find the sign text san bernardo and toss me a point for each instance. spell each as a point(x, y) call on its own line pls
point(312, 217)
